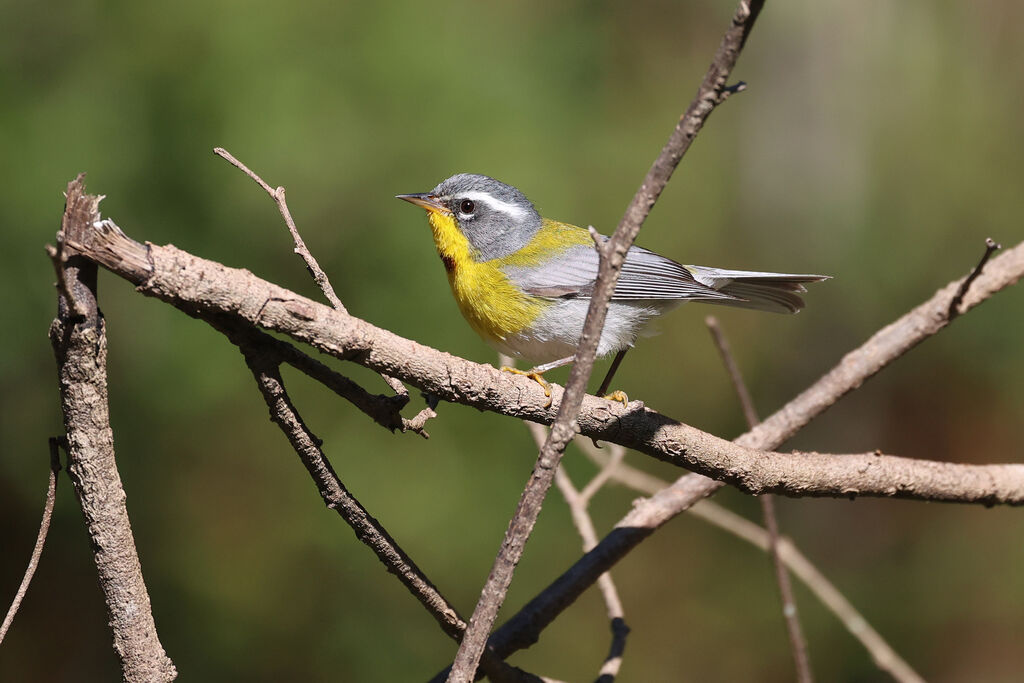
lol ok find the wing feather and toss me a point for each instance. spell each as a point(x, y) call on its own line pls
point(645, 276)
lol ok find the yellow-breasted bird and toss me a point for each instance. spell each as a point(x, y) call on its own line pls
point(523, 282)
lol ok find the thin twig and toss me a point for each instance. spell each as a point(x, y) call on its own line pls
point(337, 497)
point(37, 551)
point(264, 366)
point(616, 456)
point(384, 410)
point(738, 385)
point(278, 195)
point(881, 652)
point(317, 273)
point(578, 501)
point(954, 306)
point(797, 641)
point(884, 347)
point(612, 255)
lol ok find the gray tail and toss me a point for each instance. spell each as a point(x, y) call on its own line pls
point(772, 292)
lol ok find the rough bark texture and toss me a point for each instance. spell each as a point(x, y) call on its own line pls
point(80, 346)
point(204, 288)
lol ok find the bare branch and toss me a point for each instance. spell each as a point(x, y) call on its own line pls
point(884, 657)
point(277, 194)
point(612, 256)
point(384, 410)
point(881, 653)
point(797, 641)
point(854, 369)
point(738, 385)
point(954, 306)
point(318, 274)
point(80, 346)
point(337, 497)
point(578, 502)
point(263, 362)
point(37, 551)
point(204, 289)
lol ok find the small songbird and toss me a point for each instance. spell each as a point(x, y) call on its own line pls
point(523, 282)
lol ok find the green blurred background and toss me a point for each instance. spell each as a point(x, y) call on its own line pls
point(879, 142)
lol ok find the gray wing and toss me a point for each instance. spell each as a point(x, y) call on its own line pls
point(645, 275)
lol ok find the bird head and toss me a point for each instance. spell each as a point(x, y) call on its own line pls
point(495, 218)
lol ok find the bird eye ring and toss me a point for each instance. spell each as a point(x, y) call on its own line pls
point(467, 206)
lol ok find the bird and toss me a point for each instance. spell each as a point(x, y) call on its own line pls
point(523, 282)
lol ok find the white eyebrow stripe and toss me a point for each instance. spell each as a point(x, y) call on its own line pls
point(495, 203)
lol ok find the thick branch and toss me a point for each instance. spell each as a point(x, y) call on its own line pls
point(207, 289)
point(854, 369)
point(80, 345)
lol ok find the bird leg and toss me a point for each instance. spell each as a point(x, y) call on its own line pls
point(616, 395)
point(537, 374)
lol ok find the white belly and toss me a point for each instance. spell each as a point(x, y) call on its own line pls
point(556, 334)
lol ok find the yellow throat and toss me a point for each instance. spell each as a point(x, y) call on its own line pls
point(490, 303)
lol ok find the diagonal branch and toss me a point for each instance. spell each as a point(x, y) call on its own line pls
point(264, 367)
point(318, 274)
point(797, 642)
point(263, 363)
point(278, 195)
point(612, 255)
point(384, 410)
point(885, 346)
point(881, 652)
point(578, 501)
point(206, 289)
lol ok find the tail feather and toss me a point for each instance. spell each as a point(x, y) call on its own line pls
point(772, 292)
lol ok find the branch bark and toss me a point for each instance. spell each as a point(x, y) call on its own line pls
point(315, 271)
point(612, 255)
point(206, 289)
point(80, 345)
point(648, 515)
point(578, 502)
point(881, 652)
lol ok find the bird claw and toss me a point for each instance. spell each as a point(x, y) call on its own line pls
point(536, 377)
point(617, 395)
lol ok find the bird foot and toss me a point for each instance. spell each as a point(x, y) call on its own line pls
point(536, 377)
point(617, 395)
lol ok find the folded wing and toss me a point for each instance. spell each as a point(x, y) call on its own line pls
point(647, 276)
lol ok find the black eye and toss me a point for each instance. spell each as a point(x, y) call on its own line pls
point(467, 206)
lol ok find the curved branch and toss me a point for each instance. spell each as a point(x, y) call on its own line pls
point(37, 550)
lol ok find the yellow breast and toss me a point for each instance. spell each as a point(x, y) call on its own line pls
point(488, 301)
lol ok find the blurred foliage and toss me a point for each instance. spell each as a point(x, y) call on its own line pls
point(879, 142)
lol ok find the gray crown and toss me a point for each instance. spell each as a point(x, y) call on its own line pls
point(493, 230)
